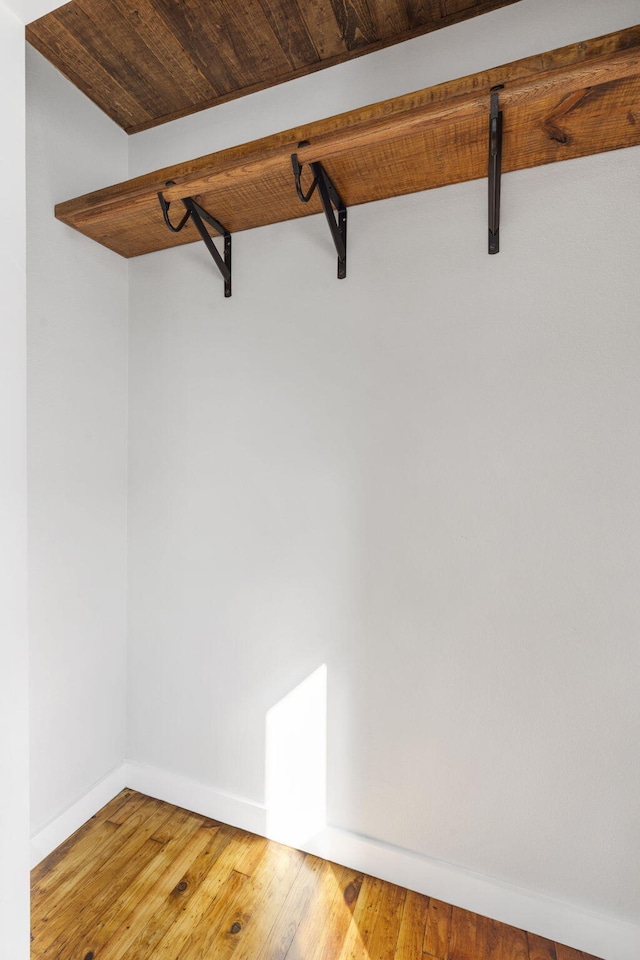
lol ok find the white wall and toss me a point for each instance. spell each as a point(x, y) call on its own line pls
point(425, 477)
point(78, 342)
point(14, 797)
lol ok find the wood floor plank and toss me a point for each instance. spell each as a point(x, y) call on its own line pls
point(489, 938)
point(162, 883)
point(176, 901)
point(361, 932)
point(117, 881)
point(568, 953)
point(121, 936)
point(265, 897)
point(462, 940)
point(331, 917)
point(515, 945)
point(413, 926)
point(250, 851)
point(540, 948)
point(85, 842)
point(363, 923)
point(246, 907)
point(187, 903)
point(311, 925)
point(55, 869)
point(197, 939)
point(299, 898)
point(121, 807)
point(112, 893)
point(384, 938)
point(89, 874)
point(436, 935)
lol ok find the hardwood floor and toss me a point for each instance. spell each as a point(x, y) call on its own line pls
point(144, 879)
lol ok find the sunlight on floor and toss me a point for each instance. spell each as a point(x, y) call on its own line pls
point(296, 762)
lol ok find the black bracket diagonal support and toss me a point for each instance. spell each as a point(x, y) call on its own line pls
point(331, 200)
point(495, 170)
point(199, 216)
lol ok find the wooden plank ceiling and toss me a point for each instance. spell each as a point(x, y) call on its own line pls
point(571, 102)
point(145, 62)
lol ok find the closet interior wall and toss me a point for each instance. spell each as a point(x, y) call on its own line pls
point(14, 721)
point(77, 447)
point(423, 477)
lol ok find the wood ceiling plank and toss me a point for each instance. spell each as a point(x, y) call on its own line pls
point(356, 23)
point(256, 43)
point(586, 103)
point(143, 18)
point(174, 58)
point(322, 25)
point(104, 34)
point(452, 7)
point(235, 35)
point(291, 32)
point(206, 49)
point(155, 75)
point(391, 19)
point(52, 39)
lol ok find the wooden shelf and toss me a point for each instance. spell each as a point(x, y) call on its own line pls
point(572, 102)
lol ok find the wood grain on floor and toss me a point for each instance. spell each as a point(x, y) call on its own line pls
point(144, 879)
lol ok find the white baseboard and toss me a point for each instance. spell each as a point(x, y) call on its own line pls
point(555, 919)
point(193, 795)
point(564, 922)
point(55, 832)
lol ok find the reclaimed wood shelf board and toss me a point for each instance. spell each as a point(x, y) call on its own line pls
point(572, 102)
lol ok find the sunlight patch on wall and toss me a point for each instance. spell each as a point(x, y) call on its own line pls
point(296, 762)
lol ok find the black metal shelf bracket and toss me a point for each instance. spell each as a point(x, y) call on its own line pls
point(199, 216)
point(330, 199)
point(495, 170)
